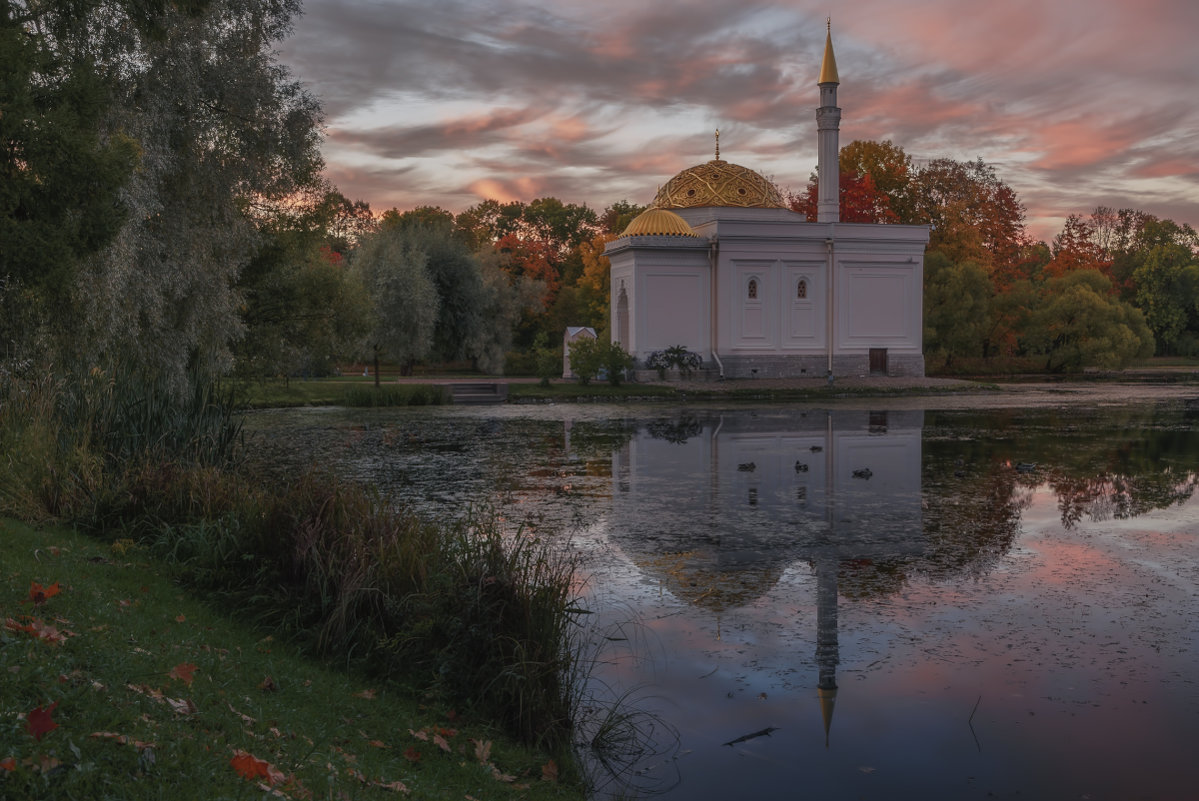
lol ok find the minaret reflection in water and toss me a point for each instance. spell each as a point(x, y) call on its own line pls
point(718, 506)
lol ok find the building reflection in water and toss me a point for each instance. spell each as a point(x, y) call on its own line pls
point(716, 507)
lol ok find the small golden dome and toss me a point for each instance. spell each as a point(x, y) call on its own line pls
point(718, 183)
point(658, 222)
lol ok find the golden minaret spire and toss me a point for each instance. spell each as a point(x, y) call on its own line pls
point(718, 144)
point(828, 68)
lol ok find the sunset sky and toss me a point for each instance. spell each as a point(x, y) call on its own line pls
point(1077, 103)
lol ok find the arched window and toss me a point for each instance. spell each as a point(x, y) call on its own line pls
point(801, 291)
point(752, 292)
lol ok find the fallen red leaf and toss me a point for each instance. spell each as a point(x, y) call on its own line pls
point(8, 763)
point(39, 594)
point(411, 754)
point(39, 723)
point(184, 671)
point(39, 629)
point(250, 767)
point(440, 742)
point(549, 771)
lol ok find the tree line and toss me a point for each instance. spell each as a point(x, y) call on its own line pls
point(162, 211)
point(1112, 287)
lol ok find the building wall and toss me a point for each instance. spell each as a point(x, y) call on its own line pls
point(764, 325)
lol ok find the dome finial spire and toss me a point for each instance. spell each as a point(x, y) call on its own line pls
point(718, 144)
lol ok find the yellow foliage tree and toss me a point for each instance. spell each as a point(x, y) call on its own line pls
point(594, 283)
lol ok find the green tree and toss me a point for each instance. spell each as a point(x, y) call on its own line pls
point(62, 174)
point(1080, 324)
point(302, 309)
point(1167, 290)
point(393, 268)
point(591, 357)
point(503, 302)
point(617, 217)
point(957, 307)
point(456, 275)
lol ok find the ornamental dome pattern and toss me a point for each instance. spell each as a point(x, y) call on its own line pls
point(658, 222)
point(718, 183)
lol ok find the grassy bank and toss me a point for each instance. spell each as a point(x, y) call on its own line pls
point(353, 391)
point(461, 613)
point(118, 684)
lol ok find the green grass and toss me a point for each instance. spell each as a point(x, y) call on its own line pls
point(128, 725)
point(593, 391)
point(276, 393)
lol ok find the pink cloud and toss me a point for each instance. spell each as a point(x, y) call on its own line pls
point(506, 191)
point(1168, 167)
point(1080, 143)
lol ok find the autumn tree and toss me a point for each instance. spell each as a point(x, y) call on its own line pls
point(1077, 248)
point(974, 215)
point(595, 282)
point(889, 167)
point(860, 200)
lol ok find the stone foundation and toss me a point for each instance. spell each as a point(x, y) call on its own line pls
point(844, 365)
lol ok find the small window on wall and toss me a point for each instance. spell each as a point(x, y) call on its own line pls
point(752, 291)
point(801, 291)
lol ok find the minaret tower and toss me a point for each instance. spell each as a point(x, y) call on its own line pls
point(828, 123)
point(827, 652)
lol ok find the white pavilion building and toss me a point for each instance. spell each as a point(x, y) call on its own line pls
point(720, 265)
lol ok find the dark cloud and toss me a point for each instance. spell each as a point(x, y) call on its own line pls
point(1076, 102)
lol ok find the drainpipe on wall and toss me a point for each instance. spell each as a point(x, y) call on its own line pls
point(712, 316)
point(828, 311)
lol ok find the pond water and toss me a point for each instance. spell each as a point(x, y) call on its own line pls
point(876, 602)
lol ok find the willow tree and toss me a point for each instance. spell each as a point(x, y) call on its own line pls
point(219, 131)
point(392, 266)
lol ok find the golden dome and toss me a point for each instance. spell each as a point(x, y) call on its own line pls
point(658, 222)
point(718, 183)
